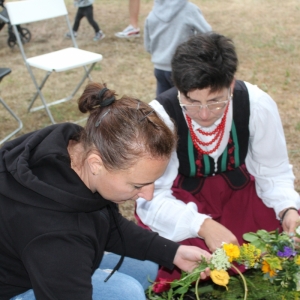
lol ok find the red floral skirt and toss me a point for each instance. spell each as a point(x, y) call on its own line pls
point(239, 210)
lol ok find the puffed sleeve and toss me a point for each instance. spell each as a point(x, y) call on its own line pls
point(170, 217)
point(267, 158)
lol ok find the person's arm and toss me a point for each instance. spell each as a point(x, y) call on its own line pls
point(143, 244)
point(170, 217)
point(267, 158)
point(60, 266)
point(196, 20)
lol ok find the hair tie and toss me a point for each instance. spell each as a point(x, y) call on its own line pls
point(106, 102)
point(101, 93)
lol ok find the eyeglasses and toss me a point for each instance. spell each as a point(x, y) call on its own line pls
point(213, 107)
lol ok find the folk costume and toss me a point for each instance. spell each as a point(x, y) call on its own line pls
point(236, 171)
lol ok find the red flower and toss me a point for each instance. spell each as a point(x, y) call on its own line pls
point(161, 285)
point(231, 159)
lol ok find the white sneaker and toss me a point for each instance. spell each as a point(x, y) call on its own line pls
point(128, 32)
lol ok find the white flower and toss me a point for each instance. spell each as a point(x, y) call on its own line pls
point(220, 260)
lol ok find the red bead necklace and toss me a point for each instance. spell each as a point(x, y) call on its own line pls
point(218, 131)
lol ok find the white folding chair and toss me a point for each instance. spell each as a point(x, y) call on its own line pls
point(27, 11)
point(3, 73)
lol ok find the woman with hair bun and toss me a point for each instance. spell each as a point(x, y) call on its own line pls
point(62, 236)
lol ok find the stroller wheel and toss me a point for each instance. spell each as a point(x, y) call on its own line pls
point(11, 41)
point(25, 35)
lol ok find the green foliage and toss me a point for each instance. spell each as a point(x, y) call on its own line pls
point(258, 290)
point(273, 262)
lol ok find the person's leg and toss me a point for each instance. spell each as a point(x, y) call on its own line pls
point(28, 295)
point(90, 16)
point(79, 16)
point(169, 80)
point(163, 81)
point(141, 270)
point(132, 30)
point(119, 286)
point(134, 9)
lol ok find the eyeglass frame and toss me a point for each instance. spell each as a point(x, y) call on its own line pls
point(201, 106)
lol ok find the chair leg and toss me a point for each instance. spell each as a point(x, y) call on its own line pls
point(47, 105)
point(17, 119)
point(38, 88)
point(37, 93)
point(87, 75)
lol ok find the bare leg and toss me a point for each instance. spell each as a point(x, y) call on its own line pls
point(134, 9)
point(133, 29)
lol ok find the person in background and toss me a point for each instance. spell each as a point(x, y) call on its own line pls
point(169, 24)
point(132, 30)
point(231, 173)
point(59, 195)
point(85, 9)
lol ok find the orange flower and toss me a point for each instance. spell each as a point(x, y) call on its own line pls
point(267, 269)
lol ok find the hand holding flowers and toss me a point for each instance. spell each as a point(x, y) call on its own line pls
point(187, 259)
point(275, 254)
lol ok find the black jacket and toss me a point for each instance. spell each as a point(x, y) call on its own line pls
point(53, 229)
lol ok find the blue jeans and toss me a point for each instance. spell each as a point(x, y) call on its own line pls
point(129, 283)
point(163, 81)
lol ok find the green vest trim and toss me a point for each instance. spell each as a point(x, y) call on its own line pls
point(236, 145)
point(191, 156)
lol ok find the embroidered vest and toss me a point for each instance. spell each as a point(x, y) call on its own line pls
point(194, 166)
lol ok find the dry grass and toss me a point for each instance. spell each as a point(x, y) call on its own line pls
point(266, 34)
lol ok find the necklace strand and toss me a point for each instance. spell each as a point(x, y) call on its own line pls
point(218, 131)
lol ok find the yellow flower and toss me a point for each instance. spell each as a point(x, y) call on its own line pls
point(232, 251)
point(220, 277)
point(297, 260)
point(250, 255)
point(267, 269)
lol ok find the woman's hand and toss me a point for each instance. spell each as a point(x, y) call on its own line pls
point(215, 234)
point(290, 222)
point(187, 258)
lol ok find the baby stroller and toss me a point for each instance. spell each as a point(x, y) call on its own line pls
point(12, 40)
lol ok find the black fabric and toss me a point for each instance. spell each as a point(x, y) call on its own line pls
point(53, 229)
point(241, 114)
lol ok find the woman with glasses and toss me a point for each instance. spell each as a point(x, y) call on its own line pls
point(231, 173)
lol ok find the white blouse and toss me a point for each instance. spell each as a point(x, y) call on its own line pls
point(267, 160)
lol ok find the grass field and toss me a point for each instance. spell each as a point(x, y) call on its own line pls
point(265, 32)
